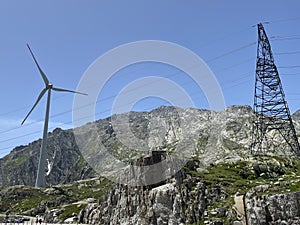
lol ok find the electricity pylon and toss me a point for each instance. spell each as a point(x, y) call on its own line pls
point(273, 129)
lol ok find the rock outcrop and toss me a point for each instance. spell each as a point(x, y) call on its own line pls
point(176, 202)
point(65, 163)
point(219, 169)
point(272, 208)
point(211, 136)
point(196, 195)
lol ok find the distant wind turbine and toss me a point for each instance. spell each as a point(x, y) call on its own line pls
point(40, 179)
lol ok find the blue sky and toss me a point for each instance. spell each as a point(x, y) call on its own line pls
point(67, 36)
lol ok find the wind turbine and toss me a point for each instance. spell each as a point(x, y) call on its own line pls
point(40, 179)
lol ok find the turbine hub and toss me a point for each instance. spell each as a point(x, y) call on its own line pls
point(49, 86)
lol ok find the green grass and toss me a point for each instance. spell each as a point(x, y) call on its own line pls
point(69, 210)
point(19, 161)
point(295, 187)
point(19, 199)
point(241, 177)
point(230, 178)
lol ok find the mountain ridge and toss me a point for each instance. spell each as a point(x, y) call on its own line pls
point(221, 183)
point(215, 136)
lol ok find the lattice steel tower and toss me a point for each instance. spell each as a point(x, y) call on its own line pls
point(273, 129)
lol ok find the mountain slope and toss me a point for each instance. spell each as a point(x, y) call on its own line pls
point(210, 136)
point(220, 183)
point(64, 162)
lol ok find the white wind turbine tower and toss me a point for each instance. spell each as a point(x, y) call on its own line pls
point(40, 179)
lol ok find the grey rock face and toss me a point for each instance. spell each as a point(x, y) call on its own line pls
point(183, 200)
point(207, 134)
point(64, 162)
point(212, 137)
point(172, 203)
point(296, 116)
point(273, 208)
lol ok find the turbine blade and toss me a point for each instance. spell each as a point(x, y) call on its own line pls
point(36, 102)
point(65, 90)
point(46, 81)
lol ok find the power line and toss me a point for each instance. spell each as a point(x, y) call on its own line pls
point(29, 106)
point(287, 53)
point(284, 38)
point(101, 112)
point(225, 36)
point(97, 114)
point(293, 94)
point(288, 67)
point(212, 59)
point(206, 44)
point(170, 75)
point(237, 64)
point(282, 20)
point(232, 51)
point(290, 74)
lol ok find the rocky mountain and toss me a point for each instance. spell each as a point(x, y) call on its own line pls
point(257, 190)
point(213, 135)
point(65, 163)
point(208, 135)
point(219, 182)
point(262, 190)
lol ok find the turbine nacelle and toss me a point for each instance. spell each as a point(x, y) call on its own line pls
point(49, 86)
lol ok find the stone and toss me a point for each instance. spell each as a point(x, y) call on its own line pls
point(221, 211)
point(213, 137)
point(237, 223)
point(201, 170)
point(277, 183)
point(273, 208)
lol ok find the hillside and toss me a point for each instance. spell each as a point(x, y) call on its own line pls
point(211, 136)
point(260, 190)
point(226, 132)
point(65, 163)
point(220, 182)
